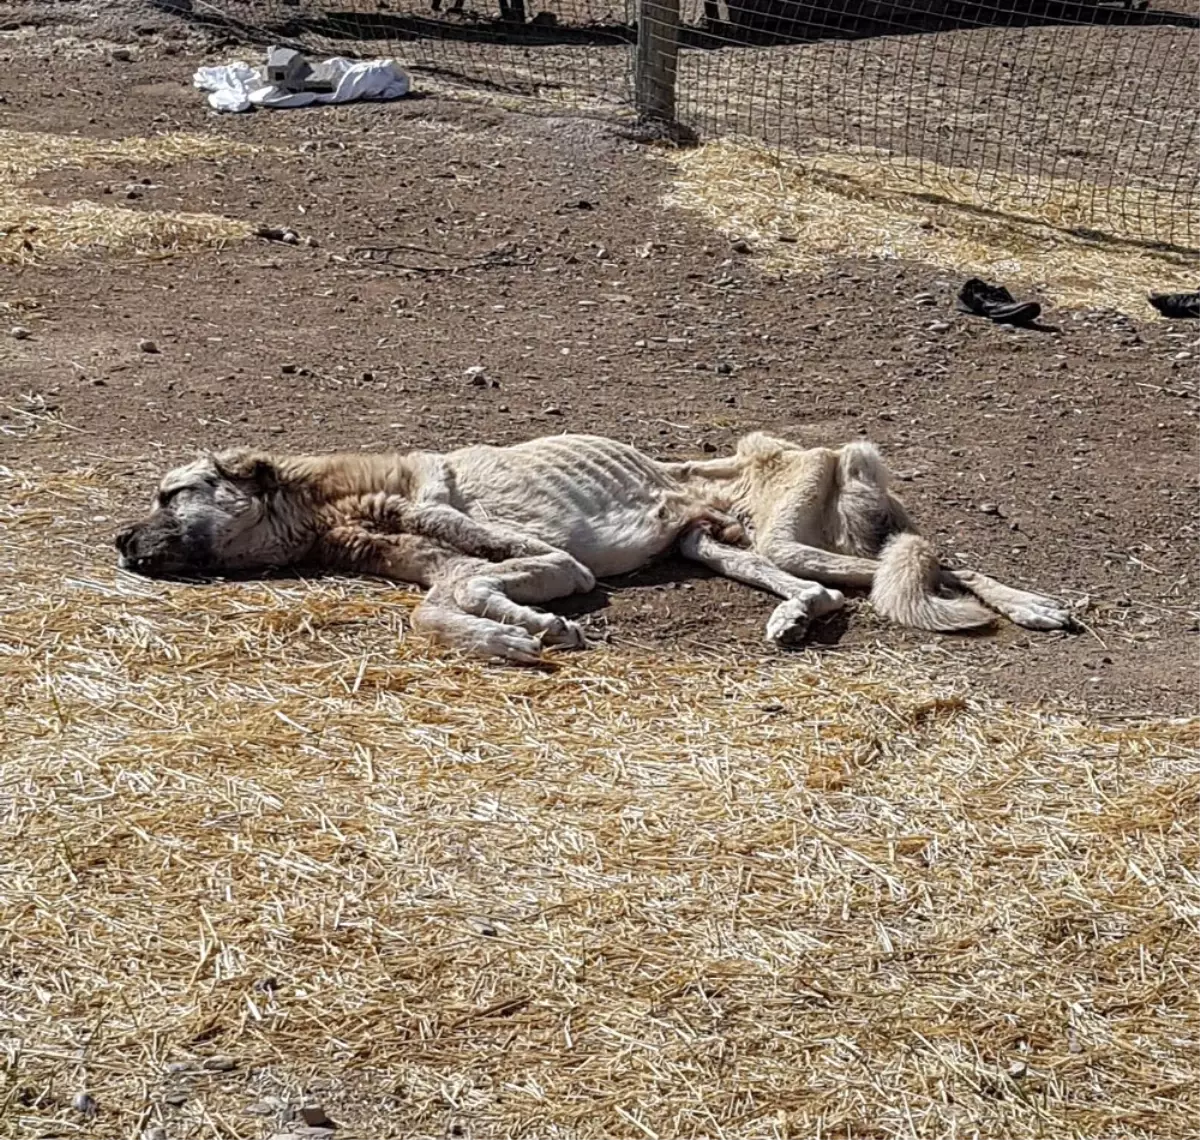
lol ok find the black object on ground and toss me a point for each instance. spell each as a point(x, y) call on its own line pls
point(1180, 306)
point(996, 303)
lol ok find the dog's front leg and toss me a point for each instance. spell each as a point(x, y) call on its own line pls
point(474, 538)
point(506, 591)
point(479, 607)
point(468, 605)
point(350, 548)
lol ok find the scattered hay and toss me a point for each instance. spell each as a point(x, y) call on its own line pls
point(25, 154)
point(257, 842)
point(31, 231)
point(805, 211)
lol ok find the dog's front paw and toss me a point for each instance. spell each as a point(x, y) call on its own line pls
point(510, 643)
point(563, 634)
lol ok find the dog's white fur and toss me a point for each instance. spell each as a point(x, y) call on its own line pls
point(494, 531)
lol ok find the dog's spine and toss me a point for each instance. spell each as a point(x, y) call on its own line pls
point(905, 590)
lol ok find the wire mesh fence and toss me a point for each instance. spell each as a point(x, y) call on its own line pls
point(1082, 114)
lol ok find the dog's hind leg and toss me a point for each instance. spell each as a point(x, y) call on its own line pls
point(806, 600)
point(802, 560)
point(1028, 610)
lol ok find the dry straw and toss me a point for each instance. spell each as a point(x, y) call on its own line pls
point(32, 228)
point(804, 212)
point(259, 846)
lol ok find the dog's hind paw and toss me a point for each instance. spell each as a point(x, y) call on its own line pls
point(1042, 614)
point(789, 622)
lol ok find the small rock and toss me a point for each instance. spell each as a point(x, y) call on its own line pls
point(724, 368)
point(315, 1117)
point(124, 54)
point(475, 376)
point(552, 411)
point(485, 926)
point(259, 1108)
point(148, 346)
point(155, 1132)
point(176, 1099)
point(84, 1104)
point(741, 246)
point(772, 707)
point(1018, 1069)
point(19, 332)
point(177, 1067)
point(219, 1064)
point(988, 509)
point(938, 326)
point(287, 369)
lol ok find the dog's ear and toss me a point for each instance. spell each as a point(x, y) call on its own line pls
point(244, 466)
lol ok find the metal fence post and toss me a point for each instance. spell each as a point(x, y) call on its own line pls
point(657, 59)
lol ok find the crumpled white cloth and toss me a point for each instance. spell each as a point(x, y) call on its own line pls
point(238, 86)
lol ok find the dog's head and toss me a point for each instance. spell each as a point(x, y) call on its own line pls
point(218, 513)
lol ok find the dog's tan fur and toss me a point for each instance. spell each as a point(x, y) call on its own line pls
point(493, 531)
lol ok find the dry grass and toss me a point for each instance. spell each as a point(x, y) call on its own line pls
point(802, 212)
point(259, 846)
point(32, 229)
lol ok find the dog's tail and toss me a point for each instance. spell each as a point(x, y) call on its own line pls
point(905, 590)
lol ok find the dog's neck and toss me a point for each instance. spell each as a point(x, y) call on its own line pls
point(324, 479)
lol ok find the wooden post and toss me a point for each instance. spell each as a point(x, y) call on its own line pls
point(657, 59)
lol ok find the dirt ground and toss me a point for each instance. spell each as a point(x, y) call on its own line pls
point(447, 235)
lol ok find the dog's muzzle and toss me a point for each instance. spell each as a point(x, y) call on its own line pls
point(146, 550)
